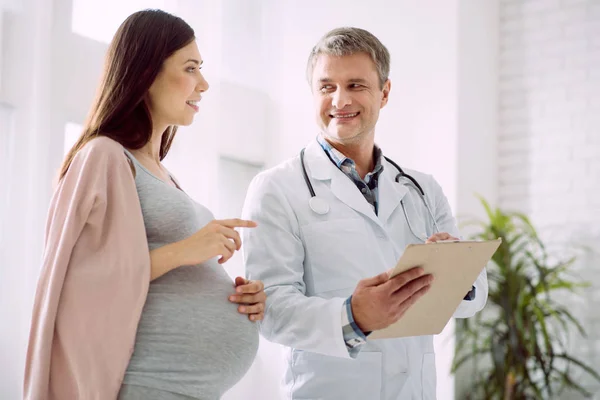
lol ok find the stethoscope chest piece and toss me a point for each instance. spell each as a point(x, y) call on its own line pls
point(318, 205)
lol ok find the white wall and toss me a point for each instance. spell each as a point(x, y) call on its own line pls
point(477, 142)
point(549, 149)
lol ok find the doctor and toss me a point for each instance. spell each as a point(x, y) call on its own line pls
point(331, 223)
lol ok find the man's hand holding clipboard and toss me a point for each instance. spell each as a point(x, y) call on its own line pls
point(452, 266)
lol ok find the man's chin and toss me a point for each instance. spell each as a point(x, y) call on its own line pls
point(343, 135)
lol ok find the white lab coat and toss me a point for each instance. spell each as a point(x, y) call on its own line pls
point(311, 263)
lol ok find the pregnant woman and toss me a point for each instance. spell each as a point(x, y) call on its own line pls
point(132, 300)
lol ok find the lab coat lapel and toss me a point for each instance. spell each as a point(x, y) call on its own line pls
point(390, 192)
point(342, 187)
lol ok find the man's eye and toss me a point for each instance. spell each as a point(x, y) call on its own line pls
point(325, 88)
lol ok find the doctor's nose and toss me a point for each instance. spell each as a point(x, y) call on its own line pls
point(340, 99)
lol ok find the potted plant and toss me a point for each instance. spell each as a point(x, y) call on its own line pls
point(517, 345)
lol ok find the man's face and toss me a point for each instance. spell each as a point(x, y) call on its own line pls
point(347, 96)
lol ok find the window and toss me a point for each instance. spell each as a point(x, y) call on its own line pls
point(99, 20)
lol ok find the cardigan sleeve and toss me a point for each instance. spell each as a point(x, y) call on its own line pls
point(93, 280)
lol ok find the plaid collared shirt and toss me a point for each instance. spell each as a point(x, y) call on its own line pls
point(367, 186)
point(353, 336)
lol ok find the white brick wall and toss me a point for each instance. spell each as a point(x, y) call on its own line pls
point(549, 134)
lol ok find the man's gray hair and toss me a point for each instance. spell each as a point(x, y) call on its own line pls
point(346, 41)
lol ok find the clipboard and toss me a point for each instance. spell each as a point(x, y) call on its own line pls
point(455, 266)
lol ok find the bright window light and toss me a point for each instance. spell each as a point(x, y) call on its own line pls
point(72, 132)
point(99, 20)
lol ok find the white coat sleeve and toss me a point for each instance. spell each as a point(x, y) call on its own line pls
point(447, 223)
point(274, 253)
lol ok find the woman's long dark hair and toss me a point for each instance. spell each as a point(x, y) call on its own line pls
point(134, 59)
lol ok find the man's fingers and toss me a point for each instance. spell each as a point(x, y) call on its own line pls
point(411, 300)
point(239, 281)
point(403, 278)
point(416, 296)
point(236, 223)
point(440, 236)
point(412, 287)
point(248, 298)
point(251, 309)
point(419, 293)
point(256, 317)
point(250, 287)
point(375, 280)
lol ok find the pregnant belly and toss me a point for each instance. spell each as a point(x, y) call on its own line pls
point(191, 335)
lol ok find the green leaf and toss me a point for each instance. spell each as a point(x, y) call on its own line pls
point(574, 321)
point(580, 364)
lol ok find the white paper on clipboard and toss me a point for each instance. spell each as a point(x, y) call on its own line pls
point(455, 266)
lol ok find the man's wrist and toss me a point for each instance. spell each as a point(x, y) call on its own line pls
point(353, 335)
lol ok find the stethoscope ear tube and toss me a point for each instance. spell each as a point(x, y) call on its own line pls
point(308, 184)
point(402, 174)
point(317, 204)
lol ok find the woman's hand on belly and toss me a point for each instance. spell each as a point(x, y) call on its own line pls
point(251, 297)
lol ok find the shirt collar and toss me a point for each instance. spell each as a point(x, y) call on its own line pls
point(341, 160)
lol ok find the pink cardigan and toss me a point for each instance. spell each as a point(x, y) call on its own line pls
point(93, 281)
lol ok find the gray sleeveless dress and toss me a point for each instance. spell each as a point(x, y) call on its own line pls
point(191, 341)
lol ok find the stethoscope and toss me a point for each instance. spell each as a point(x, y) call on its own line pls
point(321, 207)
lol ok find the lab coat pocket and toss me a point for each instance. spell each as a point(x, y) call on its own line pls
point(428, 380)
point(317, 376)
point(337, 254)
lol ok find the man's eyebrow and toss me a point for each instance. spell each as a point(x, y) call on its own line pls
point(354, 80)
